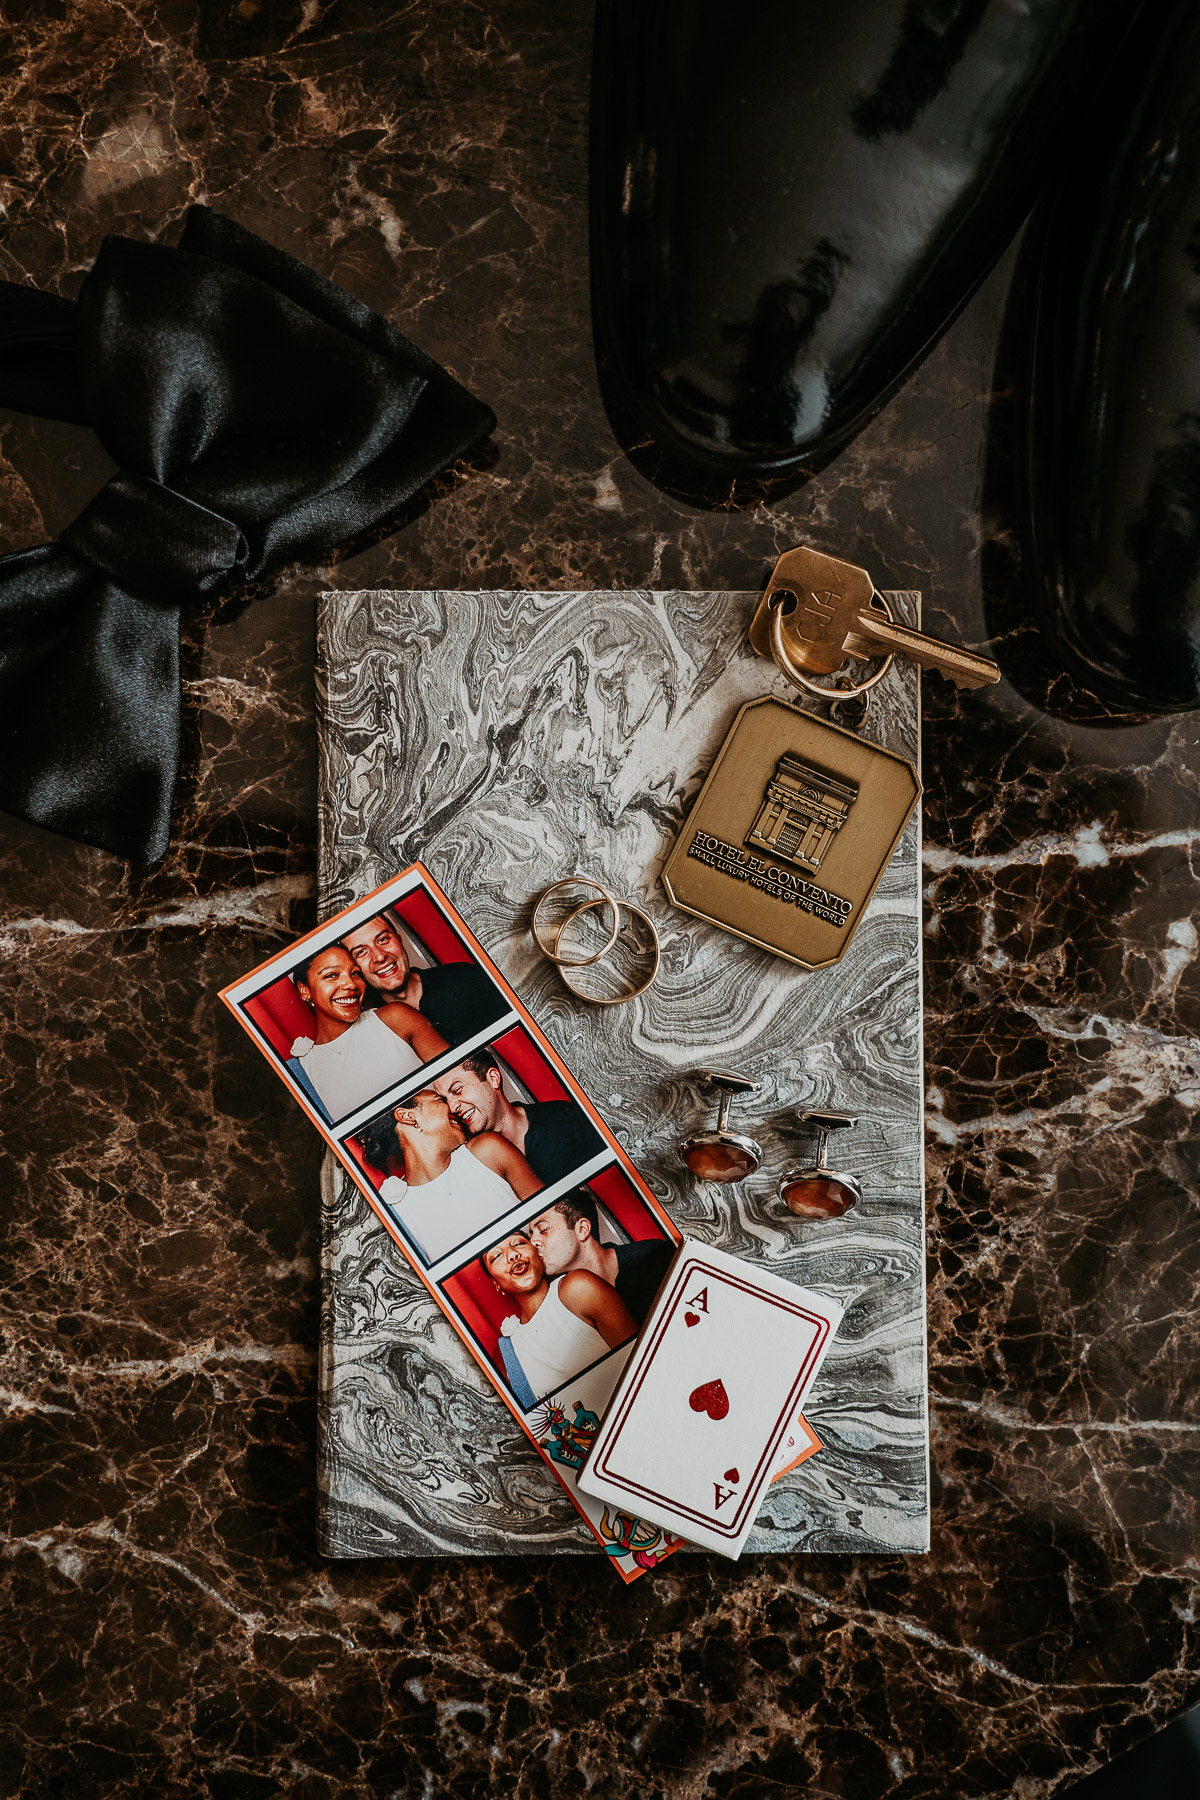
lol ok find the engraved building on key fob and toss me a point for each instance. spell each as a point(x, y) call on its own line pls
point(791, 832)
point(803, 809)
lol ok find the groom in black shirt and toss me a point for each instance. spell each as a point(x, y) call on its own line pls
point(554, 1136)
point(567, 1236)
point(458, 999)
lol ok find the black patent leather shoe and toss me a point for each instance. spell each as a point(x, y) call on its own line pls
point(791, 200)
point(1109, 457)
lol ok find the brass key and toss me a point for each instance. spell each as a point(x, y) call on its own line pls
point(835, 616)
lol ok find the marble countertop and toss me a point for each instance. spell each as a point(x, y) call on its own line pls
point(169, 1627)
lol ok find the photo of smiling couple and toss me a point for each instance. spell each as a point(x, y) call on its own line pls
point(378, 1016)
point(573, 1297)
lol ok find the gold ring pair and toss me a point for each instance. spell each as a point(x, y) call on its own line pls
point(600, 897)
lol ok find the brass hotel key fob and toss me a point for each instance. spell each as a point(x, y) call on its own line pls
point(791, 832)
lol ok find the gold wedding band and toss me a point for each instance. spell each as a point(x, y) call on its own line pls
point(616, 999)
point(606, 899)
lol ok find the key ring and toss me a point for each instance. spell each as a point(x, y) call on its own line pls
point(600, 999)
point(606, 899)
point(799, 679)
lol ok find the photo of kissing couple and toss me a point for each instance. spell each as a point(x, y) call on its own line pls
point(561, 1291)
point(374, 1005)
point(460, 1153)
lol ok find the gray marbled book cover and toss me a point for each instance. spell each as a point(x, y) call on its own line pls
point(507, 739)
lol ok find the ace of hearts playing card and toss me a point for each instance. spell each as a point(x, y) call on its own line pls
point(693, 1433)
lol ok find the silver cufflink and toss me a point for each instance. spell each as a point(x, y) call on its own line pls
point(816, 1191)
point(722, 1155)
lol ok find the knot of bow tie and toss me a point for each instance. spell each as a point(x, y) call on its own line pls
point(258, 415)
point(156, 542)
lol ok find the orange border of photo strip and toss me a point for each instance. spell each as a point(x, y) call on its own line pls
point(352, 1169)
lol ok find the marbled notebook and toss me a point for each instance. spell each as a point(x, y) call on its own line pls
point(506, 739)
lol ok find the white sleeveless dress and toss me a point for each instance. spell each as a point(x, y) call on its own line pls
point(358, 1064)
point(554, 1345)
point(465, 1198)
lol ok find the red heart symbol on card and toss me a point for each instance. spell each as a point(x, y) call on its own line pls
point(710, 1397)
point(732, 1476)
point(691, 1318)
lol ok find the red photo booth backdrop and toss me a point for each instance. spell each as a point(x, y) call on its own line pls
point(523, 1057)
point(282, 1016)
point(527, 1063)
point(472, 1294)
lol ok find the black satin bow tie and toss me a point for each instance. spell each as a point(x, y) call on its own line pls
point(258, 415)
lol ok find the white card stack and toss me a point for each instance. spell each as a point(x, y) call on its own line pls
point(723, 1364)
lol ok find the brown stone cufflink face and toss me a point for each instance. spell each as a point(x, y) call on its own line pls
point(722, 1155)
point(817, 1191)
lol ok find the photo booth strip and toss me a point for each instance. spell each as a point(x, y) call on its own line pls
point(560, 1427)
point(262, 1005)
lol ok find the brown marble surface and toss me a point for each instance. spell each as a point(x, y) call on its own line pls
point(169, 1629)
